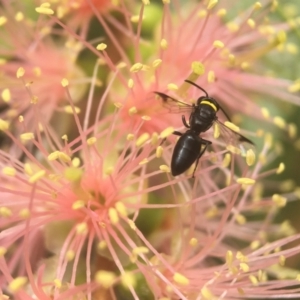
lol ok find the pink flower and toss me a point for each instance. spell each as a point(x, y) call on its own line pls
point(33, 65)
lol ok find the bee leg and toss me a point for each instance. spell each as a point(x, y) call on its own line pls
point(205, 143)
point(185, 122)
point(177, 133)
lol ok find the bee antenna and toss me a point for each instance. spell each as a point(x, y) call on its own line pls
point(196, 85)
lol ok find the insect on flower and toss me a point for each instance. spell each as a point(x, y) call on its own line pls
point(190, 146)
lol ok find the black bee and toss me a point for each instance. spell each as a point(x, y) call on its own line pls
point(190, 146)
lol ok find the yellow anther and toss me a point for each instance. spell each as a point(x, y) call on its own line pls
point(82, 228)
point(232, 126)
point(292, 130)
point(19, 16)
point(16, 284)
point(91, 141)
point(218, 44)
point(216, 128)
point(130, 83)
point(128, 280)
point(165, 168)
point(118, 104)
point(20, 72)
point(255, 245)
point(246, 181)
point(142, 139)
point(253, 280)
point(143, 161)
point(113, 215)
point(193, 242)
point(164, 44)
point(70, 254)
point(136, 67)
point(3, 125)
point(132, 224)
point(292, 48)
point(202, 13)
point(250, 157)
point(233, 149)
point(245, 65)
point(222, 12)
point(6, 96)
point(27, 169)
point(172, 87)
point(156, 63)
point(146, 118)
point(3, 20)
point(69, 109)
point(265, 112)
point(64, 82)
point(105, 278)
point(251, 23)
point(27, 136)
point(181, 279)
point(211, 4)
point(229, 257)
point(102, 245)
point(280, 122)
point(101, 47)
point(3, 250)
point(281, 36)
point(9, 171)
point(198, 68)
point(121, 208)
point(5, 212)
point(44, 10)
point(57, 283)
point(132, 111)
point(241, 219)
point(232, 26)
point(140, 250)
point(135, 18)
point(165, 133)
point(269, 139)
point(207, 294)
point(231, 60)
point(78, 204)
point(279, 200)
point(109, 170)
point(280, 168)
point(154, 138)
point(226, 160)
point(282, 260)
point(244, 267)
point(257, 5)
point(130, 137)
point(212, 212)
point(159, 151)
point(211, 77)
point(37, 176)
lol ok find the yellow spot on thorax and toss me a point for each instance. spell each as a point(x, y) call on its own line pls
point(207, 102)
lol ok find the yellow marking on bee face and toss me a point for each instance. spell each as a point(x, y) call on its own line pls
point(210, 104)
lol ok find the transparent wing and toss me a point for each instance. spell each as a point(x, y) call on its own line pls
point(234, 141)
point(173, 105)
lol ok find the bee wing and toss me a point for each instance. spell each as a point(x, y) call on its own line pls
point(173, 105)
point(235, 141)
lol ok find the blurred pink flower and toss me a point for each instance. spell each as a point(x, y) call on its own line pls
point(32, 57)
